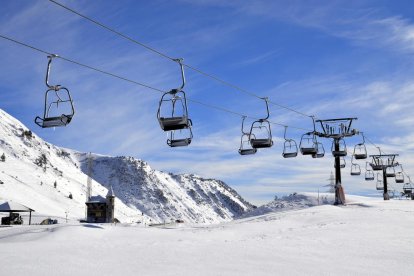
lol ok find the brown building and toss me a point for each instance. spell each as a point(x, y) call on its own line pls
point(100, 209)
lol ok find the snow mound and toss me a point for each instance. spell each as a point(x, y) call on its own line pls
point(293, 201)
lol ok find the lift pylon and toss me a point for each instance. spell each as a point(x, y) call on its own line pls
point(384, 162)
point(337, 129)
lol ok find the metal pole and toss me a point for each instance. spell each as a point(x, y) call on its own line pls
point(384, 179)
point(339, 192)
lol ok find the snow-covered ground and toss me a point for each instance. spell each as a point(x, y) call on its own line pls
point(366, 237)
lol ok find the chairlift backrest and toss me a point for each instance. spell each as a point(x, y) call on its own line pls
point(58, 106)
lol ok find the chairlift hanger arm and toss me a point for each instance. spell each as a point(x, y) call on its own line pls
point(266, 99)
point(242, 126)
point(49, 65)
point(180, 62)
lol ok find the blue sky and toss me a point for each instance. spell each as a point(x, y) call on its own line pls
point(326, 58)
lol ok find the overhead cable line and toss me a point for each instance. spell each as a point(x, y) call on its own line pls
point(236, 87)
point(381, 152)
point(131, 81)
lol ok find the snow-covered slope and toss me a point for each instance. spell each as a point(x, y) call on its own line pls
point(367, 237)
point(32, 167)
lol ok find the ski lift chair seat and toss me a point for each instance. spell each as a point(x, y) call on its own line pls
point(339, 153)
point(261, 143)
point(391, 174)
point(247, 151)
point(318, 155)
point(173, 123)
point(341, 166)
point(399, 180)
point(308, 151)
point(58, 121)
point(369, 178)
point(179, 142)
point(360, 156)
point(289, 154)
point(356, 173)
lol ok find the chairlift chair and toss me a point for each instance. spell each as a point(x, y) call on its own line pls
point(308, 144)
point(321, 151)
point(58, 109)
point(181, 141)
point(342, 148)
point(399, 177)
point(369, 175)
point(342, 163)
point(379, 184)
point(408, 188)
point(390, 172)
point(290, 148)
point(245, 147)
point(262, 127)
point(172, 101)
point(360, 150)
point(355, 169)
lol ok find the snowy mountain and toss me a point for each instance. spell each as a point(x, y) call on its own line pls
point(33, 166)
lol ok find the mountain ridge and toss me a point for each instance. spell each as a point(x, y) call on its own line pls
point(33, 165)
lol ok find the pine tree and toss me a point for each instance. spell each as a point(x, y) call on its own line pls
point(55, 184)
point(3, 158)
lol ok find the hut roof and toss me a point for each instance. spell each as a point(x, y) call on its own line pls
point(97, 199)
point(10, 206)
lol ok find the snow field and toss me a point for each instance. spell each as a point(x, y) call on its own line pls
point(366, 237)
